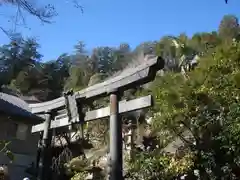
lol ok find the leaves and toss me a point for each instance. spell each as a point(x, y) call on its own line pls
point(10, 155)
point(4, 149)
point(229, 27)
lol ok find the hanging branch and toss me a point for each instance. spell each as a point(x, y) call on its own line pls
point(44, 14)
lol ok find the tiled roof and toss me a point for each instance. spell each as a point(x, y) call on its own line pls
point(13, 105)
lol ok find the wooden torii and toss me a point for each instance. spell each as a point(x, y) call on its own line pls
point(114, 87)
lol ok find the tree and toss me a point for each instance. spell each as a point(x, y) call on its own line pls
point(121, 57)
point(80, 48)
point(23, 64)
point(146, 48)
point(18, 60)
point(202, 43)
point(76, 79)
point(229, 27)
point(170, 48)
point(105, 59)
point(203, 107)
point(80, 68)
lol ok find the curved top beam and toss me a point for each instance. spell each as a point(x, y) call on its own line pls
point(129, 78)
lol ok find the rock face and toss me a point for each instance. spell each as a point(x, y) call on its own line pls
point(100, 157)
point(177, 143)
point(96, 78)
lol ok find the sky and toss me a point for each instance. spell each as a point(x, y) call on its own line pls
point(111, 22)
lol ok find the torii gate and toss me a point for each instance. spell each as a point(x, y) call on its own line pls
point(115, 86)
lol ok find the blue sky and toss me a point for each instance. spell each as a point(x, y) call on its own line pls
point(111, 22)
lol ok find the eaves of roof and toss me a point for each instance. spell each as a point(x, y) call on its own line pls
point(15, 106)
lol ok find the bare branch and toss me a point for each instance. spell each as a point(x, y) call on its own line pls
point(44, 13)
point(77, 5)
point(7, 33)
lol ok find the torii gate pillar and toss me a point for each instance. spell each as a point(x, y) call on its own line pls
point(44, 156)
point(115, 138)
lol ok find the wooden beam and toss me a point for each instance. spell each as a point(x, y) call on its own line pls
point(124, 106)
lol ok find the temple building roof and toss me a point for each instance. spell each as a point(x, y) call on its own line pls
point(15, 106)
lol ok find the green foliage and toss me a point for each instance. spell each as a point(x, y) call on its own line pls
point(79, 176)
point(229, 27)
point(160, 166)
point(206, 106)
point(200, 110)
